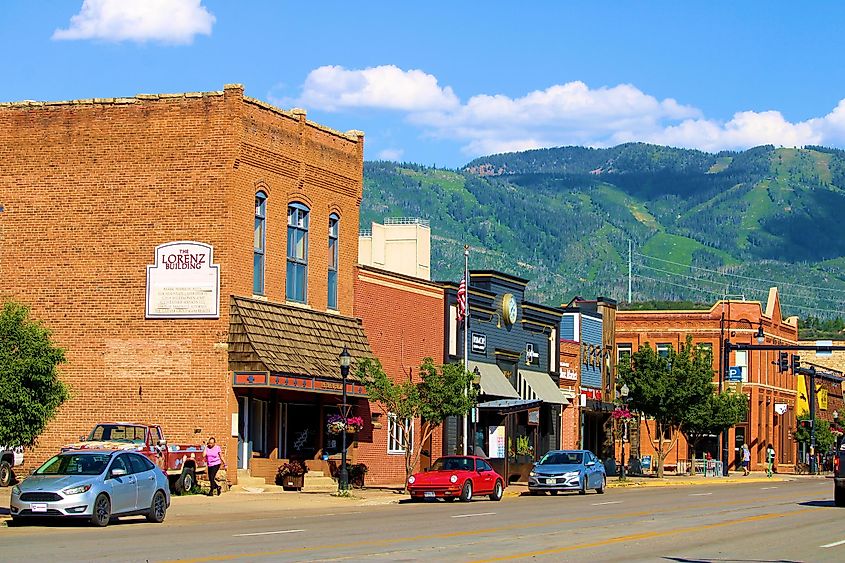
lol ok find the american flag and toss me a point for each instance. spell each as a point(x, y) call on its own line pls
point(462, 299)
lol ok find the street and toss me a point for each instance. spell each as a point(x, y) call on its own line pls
point(759, 521)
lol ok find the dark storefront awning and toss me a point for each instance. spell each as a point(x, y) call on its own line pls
point(289, 346)
point(493, 381)
point(540, 386)
point(505, 406)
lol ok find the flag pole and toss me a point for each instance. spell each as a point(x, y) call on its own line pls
point(466, 340)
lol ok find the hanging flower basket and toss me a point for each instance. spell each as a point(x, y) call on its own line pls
point(354, 424)
point(621, 413)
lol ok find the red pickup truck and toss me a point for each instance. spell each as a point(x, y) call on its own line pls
point(180, 462)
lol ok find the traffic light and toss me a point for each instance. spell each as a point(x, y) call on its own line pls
point(783, 362)
point(806, 424)
point(796, 362)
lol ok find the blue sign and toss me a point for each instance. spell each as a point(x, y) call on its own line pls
point(734, 373)
point(645, 462)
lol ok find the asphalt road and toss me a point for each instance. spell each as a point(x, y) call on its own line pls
point(776, 521)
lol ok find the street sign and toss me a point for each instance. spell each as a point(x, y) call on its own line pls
point(824, 353)
point(735, 373)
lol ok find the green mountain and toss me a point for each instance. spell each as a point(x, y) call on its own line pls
point(702, 225)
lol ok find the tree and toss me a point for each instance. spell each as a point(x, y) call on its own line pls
point(825, 438)
point(666, 387)
point(440, 392)
point(30, 389)
point(717, 413)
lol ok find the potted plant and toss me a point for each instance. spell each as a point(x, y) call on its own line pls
point(336, 424)
point(356, 473)
point(354, 424)
point(291, 475)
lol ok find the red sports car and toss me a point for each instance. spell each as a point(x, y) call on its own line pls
point(454, 477)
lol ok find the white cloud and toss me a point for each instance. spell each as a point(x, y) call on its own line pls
point(562, 114)
point(333, 88)
point(167, 21)
point(390, 154)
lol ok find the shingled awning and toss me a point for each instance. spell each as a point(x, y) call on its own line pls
point(285, 340)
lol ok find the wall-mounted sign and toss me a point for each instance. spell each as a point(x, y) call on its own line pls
point(569, 374)
point(479, 343)
point(821, 395)
point(734, 373)
point(496, 436)
point(780, 408)
point(594, 394)
point(183, 283)
point(534, 417)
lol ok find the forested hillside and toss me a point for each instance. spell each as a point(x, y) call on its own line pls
point(702, 225)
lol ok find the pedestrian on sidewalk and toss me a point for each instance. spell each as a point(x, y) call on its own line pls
point(770, 460)
point(213, 460)
point(746, 459)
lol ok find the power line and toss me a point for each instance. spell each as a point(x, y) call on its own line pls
point(717, 272)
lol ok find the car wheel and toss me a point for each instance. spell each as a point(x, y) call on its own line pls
point(5, 474)
point(498, 491)
point(583, 489)
point(186, 481)
point(102, 511)
point(466, 492)
point(839, 496)
point(158, 508)
point(600, 490)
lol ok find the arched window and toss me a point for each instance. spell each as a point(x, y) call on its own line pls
point(333, 235)
point(297, 272)
point(259, 239)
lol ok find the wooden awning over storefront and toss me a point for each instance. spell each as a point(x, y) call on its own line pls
point(291, 346)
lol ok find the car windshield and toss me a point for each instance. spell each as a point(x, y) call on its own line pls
point(562, 458)
point(118, 433)
point(453, 464)
point(74, 464)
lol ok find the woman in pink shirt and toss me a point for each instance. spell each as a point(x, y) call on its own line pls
point(213, 460)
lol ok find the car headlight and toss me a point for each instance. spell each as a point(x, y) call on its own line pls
point(16, 491)
point(453, 479)
point(78, 490)
point(532, 474)
point(411, 480)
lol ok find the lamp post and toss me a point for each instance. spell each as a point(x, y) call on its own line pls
point(624, 392)
point(343, 481)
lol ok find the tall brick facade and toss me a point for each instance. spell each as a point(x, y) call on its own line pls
point(89, 188)
point(403, 319)
point(762, 383)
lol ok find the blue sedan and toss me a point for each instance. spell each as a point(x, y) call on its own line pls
point(567, 470)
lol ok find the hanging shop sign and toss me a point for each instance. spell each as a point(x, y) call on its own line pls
point(479, 343)
point(183, 283)
point(780, 408)
point(534, 417)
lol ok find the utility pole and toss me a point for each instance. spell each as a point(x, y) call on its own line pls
point(630, 260)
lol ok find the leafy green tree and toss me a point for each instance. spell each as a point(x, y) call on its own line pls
point(824, 436)
point(715, 414)
point(665, 388)
point(30, 389)
point(439, 392)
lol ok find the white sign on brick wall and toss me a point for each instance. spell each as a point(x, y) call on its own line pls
point(183, 283)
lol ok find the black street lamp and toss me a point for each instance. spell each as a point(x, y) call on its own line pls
point(343, 482)
point(624, 392)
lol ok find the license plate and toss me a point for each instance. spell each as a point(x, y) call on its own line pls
point(428, 494)
point(551, 481)
point(38, 507)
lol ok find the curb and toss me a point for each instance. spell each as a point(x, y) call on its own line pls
point(688, 483)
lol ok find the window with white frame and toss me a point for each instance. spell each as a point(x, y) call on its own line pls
point(663, 349)
point(741, 361)
point(623, 354)
point(396, 435)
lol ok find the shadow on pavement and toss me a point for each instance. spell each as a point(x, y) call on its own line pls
point(48, 522)
point(709, 559)
point(824, 503)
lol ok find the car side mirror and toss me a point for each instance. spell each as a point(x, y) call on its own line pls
point(590, 463)
point(162, 442)
point(117, 472)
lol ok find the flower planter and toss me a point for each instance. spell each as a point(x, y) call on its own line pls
point(352, 429)
point(293, 482)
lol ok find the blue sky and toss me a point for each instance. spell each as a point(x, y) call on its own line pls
point(443, 82)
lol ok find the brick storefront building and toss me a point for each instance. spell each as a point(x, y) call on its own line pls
point(570, 370)
point(768, 390)
point(403, 320)
point(90, 190)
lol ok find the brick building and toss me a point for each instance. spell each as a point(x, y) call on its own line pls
point(257, 207)
point(570, 370)
point(402, 317)
point(772, 394)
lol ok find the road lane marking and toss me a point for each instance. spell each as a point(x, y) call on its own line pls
point(267, 533)
point(767, 488)
point(834, 544)
point(471, 515)
point(608, 502)
point(643, 536)
point(700, 494)
point(469, 533)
